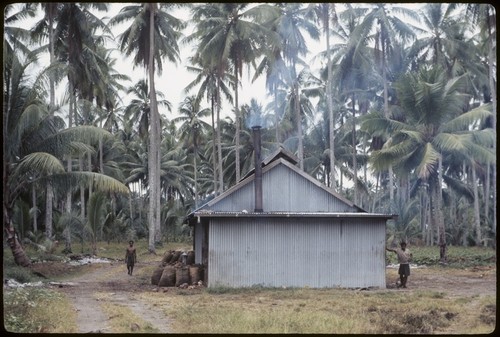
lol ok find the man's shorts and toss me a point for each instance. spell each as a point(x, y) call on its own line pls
point(404, 269)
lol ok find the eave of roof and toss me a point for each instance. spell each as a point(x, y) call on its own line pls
point(243, 214)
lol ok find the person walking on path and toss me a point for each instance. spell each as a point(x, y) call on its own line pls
point(404, 259)
point(130, 257)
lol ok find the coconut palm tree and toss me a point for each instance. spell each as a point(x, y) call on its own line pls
point(152, 37)
point(385, 26)
point(484, 17)
point(74, 37)
point(17, 38)
point(273, 65)
point(176, 181)
point(96, 209)
point(442, 39)
point(434, 125)
point(192, 132)
point(212, 86)
point(324, 13)
point(138, 109)
point(229, 36)
point(296, 97)
point(35, 144)
point(45, 29)
point(291, 23)
point(75, 51)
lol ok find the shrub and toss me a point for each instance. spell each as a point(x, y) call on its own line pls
point(25, 309)
point(20, 274)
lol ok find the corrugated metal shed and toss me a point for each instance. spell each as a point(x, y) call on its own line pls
point(308, 235)
point(296, 252)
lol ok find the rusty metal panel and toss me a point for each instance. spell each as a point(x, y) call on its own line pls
point(297, 252)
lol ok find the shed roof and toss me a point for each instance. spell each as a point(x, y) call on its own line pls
point(279, 160)
point(280, 152)
point(285, 158)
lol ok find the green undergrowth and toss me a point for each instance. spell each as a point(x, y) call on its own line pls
point(458, 257)
point(26, 311)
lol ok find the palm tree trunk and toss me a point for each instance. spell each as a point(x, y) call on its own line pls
point(276, 117)
point(493, 91)
point(153, 146)
point(82, 190)
point(439, 213)
point(69, 164)
point(214, 141)
point(237, 121)
point(219, 141)
point(131, 209)
point(486, 191)
point(331, 117)
point(50, 9)
point(20, 257)
point(354, 159)
point(341, 185)
point(89, 168)
point(48, 208)
point(101, 154)
point(300, 151)
point(376, 193)
point(429, 219)
point(477, 222)
point(423, 197)
point(35, 208)
point(159, 185)
point(49, 201)
point(82, 204)
point(386, 115)
point(195, 173)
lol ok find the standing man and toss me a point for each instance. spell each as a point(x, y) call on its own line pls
point(404, 259)
point(130, 257)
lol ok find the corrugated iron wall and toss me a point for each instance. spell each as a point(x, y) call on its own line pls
point(197, 243)
point(284, 190)
point(314, 252)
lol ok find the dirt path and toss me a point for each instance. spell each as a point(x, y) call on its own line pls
point(109, 283)
point(474, 281)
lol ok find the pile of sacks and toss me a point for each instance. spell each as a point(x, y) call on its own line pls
point(177, 269)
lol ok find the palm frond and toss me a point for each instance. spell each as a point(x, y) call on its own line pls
point(67, 180)
point(95, 212)
point(428, 164)
point(468, 119)
point(449, 142)
point(41, 163)
point(460, 187)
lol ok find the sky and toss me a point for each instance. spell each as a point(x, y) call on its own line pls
point(175, 78)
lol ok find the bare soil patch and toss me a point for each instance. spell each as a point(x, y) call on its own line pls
point(475, 281)
point(105, 282)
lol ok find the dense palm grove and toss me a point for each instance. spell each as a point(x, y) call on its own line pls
point(401, 118)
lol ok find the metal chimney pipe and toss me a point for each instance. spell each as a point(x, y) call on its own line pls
point(258, 169)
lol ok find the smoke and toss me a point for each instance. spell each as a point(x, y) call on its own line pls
point(254, 115)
